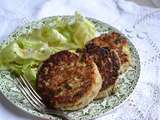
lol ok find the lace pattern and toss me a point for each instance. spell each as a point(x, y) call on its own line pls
point(144, 103)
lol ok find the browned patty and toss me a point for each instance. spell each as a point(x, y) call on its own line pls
point(108, 64)
point(117, 42)
point(66, 82)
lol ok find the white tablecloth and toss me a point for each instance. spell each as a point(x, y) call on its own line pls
point(141, 24)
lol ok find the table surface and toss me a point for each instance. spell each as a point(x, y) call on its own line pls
point(9, 112)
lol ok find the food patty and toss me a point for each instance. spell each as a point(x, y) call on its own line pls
point(108, 65)
point(117, 42)
point(66, 82)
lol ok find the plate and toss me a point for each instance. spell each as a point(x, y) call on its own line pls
point(126, 83)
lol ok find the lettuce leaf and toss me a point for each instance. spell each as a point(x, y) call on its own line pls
point(83, 30)
point(8, 54)
point(78, 31)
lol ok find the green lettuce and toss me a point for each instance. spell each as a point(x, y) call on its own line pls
point(83, 30)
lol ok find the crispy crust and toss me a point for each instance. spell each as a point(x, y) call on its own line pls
point(68, 83)
point(118, 43)
point(108, 64)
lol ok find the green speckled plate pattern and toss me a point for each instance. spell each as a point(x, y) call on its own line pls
point(125, 87)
